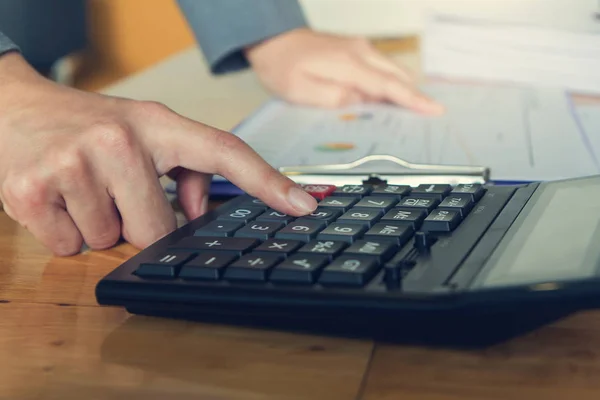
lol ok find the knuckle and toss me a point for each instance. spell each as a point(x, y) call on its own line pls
point(113, 137)
point(24, 190)
point(69, 165)
point(152, 108)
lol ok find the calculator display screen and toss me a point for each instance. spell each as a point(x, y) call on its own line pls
point(555, 238)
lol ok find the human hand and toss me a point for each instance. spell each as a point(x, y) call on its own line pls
point(310, 68)
point(77, 166)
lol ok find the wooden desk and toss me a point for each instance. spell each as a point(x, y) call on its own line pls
point(57, 343)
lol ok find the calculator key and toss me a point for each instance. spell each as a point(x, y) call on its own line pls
point(382, 249)
point(341, 202)
point(380, 202)
point(319, 191)
point(300, 268)
point(391, 190)
point(208, 266)
point(343, 232)
point(301, 230)
point(353, 270)
point(412, 216)
point(399, 232)
point(252, 267)
point(330, 248)
point(164, 266)
point(234, 245)
point(441, 221)
point(243, 214)
point(426, 203)
point(275, 216)
point(280, 246)
point(366, 216)
point(324, 214)
point(460, 202)
point(475, 190)
point(219, 228)
point(438, 191)
point(353, 190)
point(259, 229)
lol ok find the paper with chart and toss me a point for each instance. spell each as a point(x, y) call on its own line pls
point(520, 133)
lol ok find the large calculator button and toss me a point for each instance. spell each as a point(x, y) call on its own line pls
point(300, 268)
point(438, 191)
point(441, 221)
point(463, 203)
point(412, 216)
point(341, 202)
point(259, 229)
point(379, 202)
point(399, 232)
point(208, 266)
point(219, 228)
point(243, 214)
point(382, 249)
point(164, 266)
point(353, 190)
point(324, 214)
point(275, 216)
point(344, 232)
point(330, 248)
point(396, 191)
point(234, 245)
point(252, 267)
point(366, 216)
point(424, 203)
point(280, 246)
point(352, 270)
point(475, 190)
point(301, 230)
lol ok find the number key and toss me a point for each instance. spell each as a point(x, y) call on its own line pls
point(259, 229)
point(244, 214)
point(275, 216)
point(301, 230)
point(341, 202)
point(322, 214)
point(383, 203)
point(343, 232)
point(366, 216)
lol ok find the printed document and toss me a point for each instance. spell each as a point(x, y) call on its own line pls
point(521, 134)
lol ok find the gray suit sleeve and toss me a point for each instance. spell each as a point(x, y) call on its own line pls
point(7, 45)
point(223, 28)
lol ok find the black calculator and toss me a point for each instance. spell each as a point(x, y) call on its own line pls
point(428, 259)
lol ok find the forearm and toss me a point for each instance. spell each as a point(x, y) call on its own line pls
point(224, 28)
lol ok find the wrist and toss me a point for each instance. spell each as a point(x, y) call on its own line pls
point(252, 51)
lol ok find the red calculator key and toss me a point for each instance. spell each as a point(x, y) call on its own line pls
point(319, 191)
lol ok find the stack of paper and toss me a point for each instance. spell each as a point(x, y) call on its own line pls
point(479, 49)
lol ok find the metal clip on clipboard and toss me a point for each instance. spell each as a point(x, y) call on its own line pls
point(408, 173)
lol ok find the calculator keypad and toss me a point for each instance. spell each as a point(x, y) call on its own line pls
point(353, 234)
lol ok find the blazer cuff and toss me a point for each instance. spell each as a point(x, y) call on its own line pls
point(224, 28)
point(6, 45)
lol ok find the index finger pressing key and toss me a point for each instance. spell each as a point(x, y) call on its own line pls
point(209, 150)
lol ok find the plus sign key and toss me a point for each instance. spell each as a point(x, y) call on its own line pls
point(237, 246)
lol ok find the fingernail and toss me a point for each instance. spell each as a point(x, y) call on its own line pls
point(301, 200)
